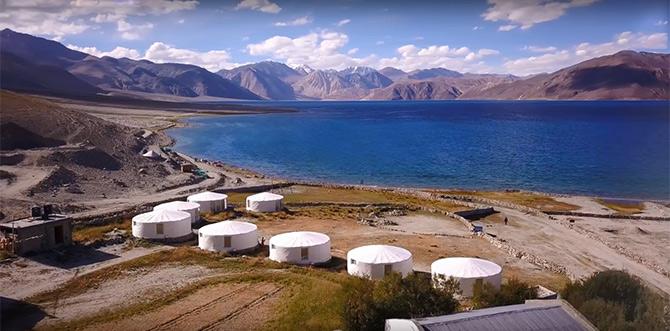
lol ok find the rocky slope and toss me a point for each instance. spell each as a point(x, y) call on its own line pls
point(624, 75)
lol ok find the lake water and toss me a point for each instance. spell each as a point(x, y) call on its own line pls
point(613, 149)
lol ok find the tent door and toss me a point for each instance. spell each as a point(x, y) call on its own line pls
point(304, 253)
point(159, 228)
point(227, 242)
point(388, 269)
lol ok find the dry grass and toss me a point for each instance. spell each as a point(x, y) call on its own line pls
point(85, 234)
point(623, 207)
point(527, 199)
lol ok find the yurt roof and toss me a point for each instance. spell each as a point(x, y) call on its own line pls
point(151, 153)
point(227, 228)
point(177, 205)
point(379, 254)
point(265, 196)
point(299, 239)
point(162, 216)
point(208, 196)
point(465, 267)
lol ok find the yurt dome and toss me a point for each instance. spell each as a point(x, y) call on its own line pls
point(210, 202)
point(190, 207)
point(302, 247)
point(468, 272)
point(228, 236)
point(377, 261)
point(265, 202)
point(173, 225)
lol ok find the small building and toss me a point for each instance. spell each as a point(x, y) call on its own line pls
point(377, 261)
point(467, 271)
point(228, 236)
point(165, 224)
point(187, 167)
point(210, 202)
point(151, 154)
point(533, 315)
point(38, 233)
point(302, 247)
point(265, 202)
point(190, 207)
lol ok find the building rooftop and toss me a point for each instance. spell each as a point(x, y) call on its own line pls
point(531, 315)
point(30, 221)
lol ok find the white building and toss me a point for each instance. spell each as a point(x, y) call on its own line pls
point(210, 202)
point(265, 202)
point(190, 207)
point(228, 236)
point(170, 225)
point(152, 155)
point(467, 271)
point(377, 261)
point(302, 247)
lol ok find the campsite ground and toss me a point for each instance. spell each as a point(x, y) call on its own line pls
point(110, 281)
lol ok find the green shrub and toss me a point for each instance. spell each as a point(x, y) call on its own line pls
point(369, 303)
point(615, 300)
point(511, 293)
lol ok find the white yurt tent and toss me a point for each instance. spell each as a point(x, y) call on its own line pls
point(152, 154)
point(265, 202)
point(164, 224)
point(190, 207)
point(302, 247)
point(210, 202)
point(228, 236)
point(377, 261)
point(468, 272)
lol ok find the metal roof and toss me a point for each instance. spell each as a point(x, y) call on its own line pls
point(534, 315)
point(28, 222)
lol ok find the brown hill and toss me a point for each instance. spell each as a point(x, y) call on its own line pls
point(416, 90)
point(624, 75)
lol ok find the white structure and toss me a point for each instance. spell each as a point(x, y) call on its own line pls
point(165, 224)
point(300, 247)
point(210, 202)
point(467, 271)
point(377, 261)
point(228, 236)
point(152, 154)
point(265, 202)
point(190, 207)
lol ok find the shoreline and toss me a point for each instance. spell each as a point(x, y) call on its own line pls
point(180, 123)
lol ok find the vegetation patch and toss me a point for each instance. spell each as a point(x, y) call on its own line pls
point(615, 300)
point(528, 199)
point(86, 233)
point(622, 207)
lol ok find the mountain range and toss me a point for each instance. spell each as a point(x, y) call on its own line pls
point(37, 65)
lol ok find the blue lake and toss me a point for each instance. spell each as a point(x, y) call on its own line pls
point(604, 148)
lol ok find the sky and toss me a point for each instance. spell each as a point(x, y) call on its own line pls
point(519, 37)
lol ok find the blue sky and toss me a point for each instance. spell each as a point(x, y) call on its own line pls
point(520, 37)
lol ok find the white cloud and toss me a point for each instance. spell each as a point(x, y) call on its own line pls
point(343, 22)
point(265, 6)
point(526, 13)
point(476, 27)
point(352, 51)
point(539, 49)
point(661, 22)
point(213, 60)
point(508, 27)
point(296, 22)
point(558, 59)
point(462, 59)
point(117, 52)
point(379, 42)
point(181, 21)
point(132, 32)
point(59, 18)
